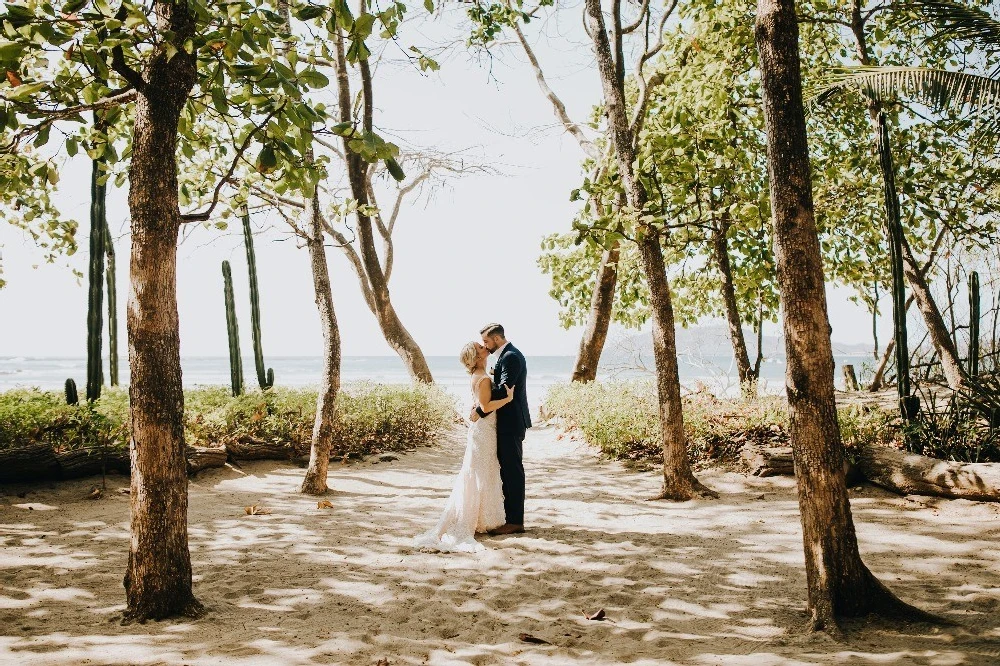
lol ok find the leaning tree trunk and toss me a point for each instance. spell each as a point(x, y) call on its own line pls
point(95, 296)
point(936, 328)
point(679, 481)
point(839, 584)
point(158, 577)
point(595, 333)
point(392, 328)
point(747, 374)
point(314, 482)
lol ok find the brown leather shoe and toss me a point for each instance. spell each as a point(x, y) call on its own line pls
point(507, 528)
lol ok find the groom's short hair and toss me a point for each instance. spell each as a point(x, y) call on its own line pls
point(492, 329)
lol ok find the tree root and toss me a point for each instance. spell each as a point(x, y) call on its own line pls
point(191, 609)
point(693, 488)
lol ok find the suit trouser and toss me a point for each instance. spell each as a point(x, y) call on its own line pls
point(509, 448)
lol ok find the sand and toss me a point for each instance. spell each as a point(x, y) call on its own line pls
point(700, 582)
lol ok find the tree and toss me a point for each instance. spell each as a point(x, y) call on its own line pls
point(157, 58)
point(678, 480)
point(838, 582)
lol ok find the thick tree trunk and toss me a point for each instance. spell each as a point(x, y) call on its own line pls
point(595, 333)
point(838, 582)
point(314, 482)
point(679, 481)
point(936, 328)
point(158, 577)
point(727, 287)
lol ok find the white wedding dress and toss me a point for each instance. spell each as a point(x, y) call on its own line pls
point(476, 501)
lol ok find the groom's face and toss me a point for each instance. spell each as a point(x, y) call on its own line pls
point(490, 342)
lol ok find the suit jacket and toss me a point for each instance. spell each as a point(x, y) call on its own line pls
point(512, 370)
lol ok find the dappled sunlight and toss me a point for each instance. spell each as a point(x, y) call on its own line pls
point(698, 582)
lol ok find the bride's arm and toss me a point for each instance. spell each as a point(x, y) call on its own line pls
point(483, 392)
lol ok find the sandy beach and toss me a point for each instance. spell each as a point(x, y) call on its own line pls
point(701, 582)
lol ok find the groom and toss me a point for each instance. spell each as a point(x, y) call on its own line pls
point(512, 421)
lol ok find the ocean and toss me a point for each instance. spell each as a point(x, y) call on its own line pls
point(715, 372)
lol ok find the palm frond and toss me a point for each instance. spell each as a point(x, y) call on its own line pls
point(937, 88)
point(956, 20)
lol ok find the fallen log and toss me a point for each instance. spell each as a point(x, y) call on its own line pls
point(203, 457)
point(28, 463)
point(912, 474)
point(768, 460)
point(87, 462)
point(254, 450)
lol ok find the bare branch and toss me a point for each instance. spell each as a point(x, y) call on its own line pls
point(123, 69)
point(557, 105)
point(638, 21)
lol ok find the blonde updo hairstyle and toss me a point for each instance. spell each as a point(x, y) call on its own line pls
point(468, 356)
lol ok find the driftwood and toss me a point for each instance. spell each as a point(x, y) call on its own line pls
point(87, 462)
point(40, 462)
point(254, 450)
point(28, 463)
point(203, 457)
point(778, 461)
point(912, 474)
point(768, 460)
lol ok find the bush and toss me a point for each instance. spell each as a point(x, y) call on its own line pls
point(622, 420)
point(370, 418)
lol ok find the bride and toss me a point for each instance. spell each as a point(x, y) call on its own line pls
point(476, 501)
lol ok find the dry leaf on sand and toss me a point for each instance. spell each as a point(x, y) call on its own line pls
point(528, 638)
point(256, 510)
point(599, 615)
point(94, 494)
point(324, 504)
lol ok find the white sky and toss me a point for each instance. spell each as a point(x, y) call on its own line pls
point(465, 258)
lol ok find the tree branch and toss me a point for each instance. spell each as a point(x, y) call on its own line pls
point(638, 22)
point(203, 216)
point(557, 105)
point(123, 69)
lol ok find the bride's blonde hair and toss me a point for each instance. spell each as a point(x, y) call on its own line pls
point(468, 356)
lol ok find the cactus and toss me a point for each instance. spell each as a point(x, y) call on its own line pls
point(109, 249)
point(95, 298)
point(908, 405)
point(264, 378)
point(974, 316)
point(235, 360)
point(71, 396)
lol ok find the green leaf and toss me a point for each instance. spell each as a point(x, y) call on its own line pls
point(429, 6)
point(267, 159)
point(395, 170)
point(309, 12)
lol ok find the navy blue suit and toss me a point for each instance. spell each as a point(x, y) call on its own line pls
point(513, 419)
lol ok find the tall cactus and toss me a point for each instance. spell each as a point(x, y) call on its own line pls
point(974, 316)
point(265, 379)
point(235, 360)
point(908, 404)
point(95, 300)
point(109, 250)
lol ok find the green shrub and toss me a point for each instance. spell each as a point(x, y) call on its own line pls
point(621, 418)
point(370, 418)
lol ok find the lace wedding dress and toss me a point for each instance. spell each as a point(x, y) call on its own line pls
point(476, 501)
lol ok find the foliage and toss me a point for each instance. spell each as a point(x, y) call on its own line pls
point(620, 418)
point(370, 418)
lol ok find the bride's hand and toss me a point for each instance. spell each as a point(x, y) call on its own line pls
point(510, 392)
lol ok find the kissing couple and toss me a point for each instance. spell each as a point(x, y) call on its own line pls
point(488, 495)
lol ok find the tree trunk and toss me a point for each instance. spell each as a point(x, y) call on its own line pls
point(938, 330)
point(158, 577)
point(838, 582)
point(595, 334)
point(679, 481)
point(314, 482)
point(720, 246)
point(392, 328)
point(109, 248)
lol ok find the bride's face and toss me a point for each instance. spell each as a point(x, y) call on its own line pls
point(483, 354)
